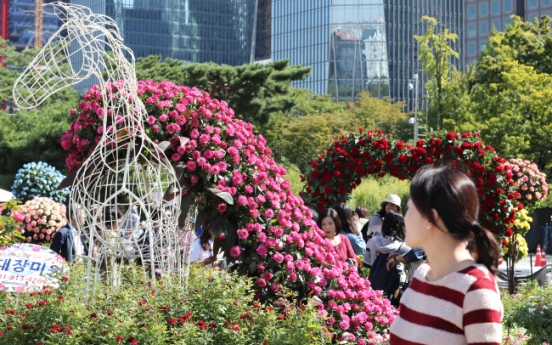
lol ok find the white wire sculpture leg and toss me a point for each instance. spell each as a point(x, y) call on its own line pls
point(122, 185)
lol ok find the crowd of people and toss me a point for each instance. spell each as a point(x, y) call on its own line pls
point(438, 250)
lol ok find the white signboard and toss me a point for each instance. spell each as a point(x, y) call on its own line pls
point(28, 267)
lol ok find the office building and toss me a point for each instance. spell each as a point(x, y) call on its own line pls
point(20, 17)
point(355, 45)
point(482, 16)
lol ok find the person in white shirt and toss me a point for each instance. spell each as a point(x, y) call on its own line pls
point(202, 250)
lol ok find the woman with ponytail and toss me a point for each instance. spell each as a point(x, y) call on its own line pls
point(454, 299)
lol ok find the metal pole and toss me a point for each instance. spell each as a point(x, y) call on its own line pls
point(416, 109)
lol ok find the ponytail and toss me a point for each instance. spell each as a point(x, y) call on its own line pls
point(486, 250)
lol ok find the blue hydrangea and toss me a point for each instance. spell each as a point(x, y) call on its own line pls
point(39, 179)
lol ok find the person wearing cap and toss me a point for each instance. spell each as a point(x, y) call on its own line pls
point(373, 227)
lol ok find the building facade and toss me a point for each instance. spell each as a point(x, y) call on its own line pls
point(21, 23)
point(219, 31)
point(403, 21)
point(354, 46)
point(482, 16)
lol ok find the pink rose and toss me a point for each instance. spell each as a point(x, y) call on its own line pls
point(18, 216)
point(151, 120)
point(175, 157)
point(208, 154)
point(215, 170)
point(261, 282)
point(235, 251)
point(261, 250)
point(221, 208)
point(278, 257)
point(155, 129)
point(243, 234)
point(163, 117)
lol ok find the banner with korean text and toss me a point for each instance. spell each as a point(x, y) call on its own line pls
point(28, 267)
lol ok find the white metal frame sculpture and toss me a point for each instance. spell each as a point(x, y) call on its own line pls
point(126, 171)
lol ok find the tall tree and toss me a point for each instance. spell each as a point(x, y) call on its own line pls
point(381, 113)
point(299, 136)
point(509, 92)
point(30, 135)
point(435, 55)
point(254, 91)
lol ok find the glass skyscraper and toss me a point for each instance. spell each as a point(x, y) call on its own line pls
point(219, 31)
point(358, 45)
point(343, 41)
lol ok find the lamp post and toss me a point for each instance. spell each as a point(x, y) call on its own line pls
point(415, 87)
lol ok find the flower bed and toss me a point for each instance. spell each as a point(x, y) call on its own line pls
point(243, 196)
point(531, 312)
point(215, 308)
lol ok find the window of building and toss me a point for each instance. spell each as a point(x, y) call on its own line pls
point(484, 28)
point(532, 17)
point(482, 45)
point(545, 2)
point(495, 7)
point(472, 48)
point(533, 4)
point(472, 12)
point(472, 30)
point(507, 6)
point(546, 13)
point(483, 10)
point(496, 25)
point(507, 21)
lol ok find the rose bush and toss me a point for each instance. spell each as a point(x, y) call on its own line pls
point(530, 181)
point(213, 308)
point(356, 155)
point(43, 217)
point(38, 179)
point(243, 196)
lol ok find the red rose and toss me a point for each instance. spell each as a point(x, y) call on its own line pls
point(314, 164)
point(402, 159)
point(508, 233)
point(399, 145)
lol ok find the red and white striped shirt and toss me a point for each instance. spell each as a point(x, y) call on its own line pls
point(461, 308)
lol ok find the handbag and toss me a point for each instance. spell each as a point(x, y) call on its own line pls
point(382, 279)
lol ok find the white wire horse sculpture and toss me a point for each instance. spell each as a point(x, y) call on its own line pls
point(127, 187)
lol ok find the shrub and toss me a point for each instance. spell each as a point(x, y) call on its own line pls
point(10, 219)
point(215, 308)
point(373, 190)
point(38, 179)
point(530, 309)
point(43, 217)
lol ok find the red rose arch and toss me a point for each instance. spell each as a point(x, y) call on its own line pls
point(356, 155)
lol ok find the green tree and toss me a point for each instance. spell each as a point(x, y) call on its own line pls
point(435, 55)
point(381, 113)
point(254, 91)
point(305, 137)
point(509, 92)
point(31, 135)
point(15, 62)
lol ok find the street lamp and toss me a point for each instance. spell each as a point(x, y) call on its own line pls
point(415, 120)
